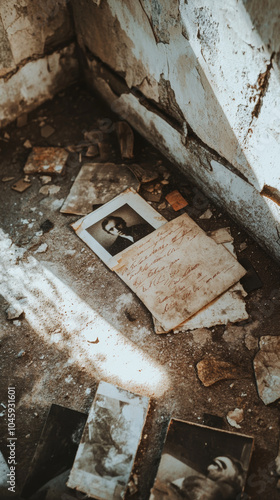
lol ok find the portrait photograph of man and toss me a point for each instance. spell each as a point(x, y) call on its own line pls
point(120, 229)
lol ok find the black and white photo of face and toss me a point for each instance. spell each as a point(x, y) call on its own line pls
point(116, 226)
point(223, 468)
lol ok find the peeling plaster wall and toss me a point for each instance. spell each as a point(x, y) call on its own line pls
point(207, 74)
point(37, 53)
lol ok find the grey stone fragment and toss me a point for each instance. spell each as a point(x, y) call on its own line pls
point(14, 312)
point(267, 369)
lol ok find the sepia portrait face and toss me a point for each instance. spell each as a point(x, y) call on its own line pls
point(120, 229)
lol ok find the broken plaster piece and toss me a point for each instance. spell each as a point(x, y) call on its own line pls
point(27, 144)
point(267, 369)
point(46, 160)
point(235, 417)
point(14, 312)
point(98, 183)
point(42, 248)
point(206, 215)
point(45, 179)
point(49, 190)
point(211, 370)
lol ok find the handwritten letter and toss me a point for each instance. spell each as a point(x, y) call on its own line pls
point(177, 270)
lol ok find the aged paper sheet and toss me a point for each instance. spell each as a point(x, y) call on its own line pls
point(177, 270)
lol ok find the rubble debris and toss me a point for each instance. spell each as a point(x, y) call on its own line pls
point(207, 214)
point(243, 246)
point(251, 342)
point(27, 178)
point(7, 136)
point(193, 461)
point(7, 179)
point(211, 370)
point(50, 160)
point(21, 354)
point(215, 268)
point(46, 226)
point(115, 424)
point(126, 139)
point(251, 281)
point(56, 448)
point(152, 192)
point(21, 185)
point(162, 206)
point(144, 175)
point(22, 120)
point(176, 200)
point(49, 189)
point(98, 183)
point(235, 417)
point(222, 235)
point(92, 151)
point(27, 144)
point(42, 248)
point(267, 369)
point(14, 312)
point(47, 131)
point(46, 179)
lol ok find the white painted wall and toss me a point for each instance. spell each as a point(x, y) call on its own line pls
point(221, 61)
point(31, 69)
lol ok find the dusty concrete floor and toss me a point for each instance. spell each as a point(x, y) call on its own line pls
point(69, 297)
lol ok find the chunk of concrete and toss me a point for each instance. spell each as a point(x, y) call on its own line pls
point(235, 417)
point(267, 369)
point(211, 370)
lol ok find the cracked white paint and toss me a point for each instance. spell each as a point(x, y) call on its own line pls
point(215, 56)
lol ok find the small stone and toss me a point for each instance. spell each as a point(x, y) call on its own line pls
point(27, 144)
point(16, 322)
point(210, 370)
point(14, 312)
point(206, 215)
point(20, 354)
point(44, 190)
point(243, 246)
point(235, 417)
point(45, 179)
point(27, 436)
point(162, 206)
point(251, 342)
point(46, 131)
point(53, 189)
point(6, 135)
point(7, 179)
point(42, 248)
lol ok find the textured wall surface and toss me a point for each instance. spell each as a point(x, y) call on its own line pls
point(208, 74)
point(37, 55)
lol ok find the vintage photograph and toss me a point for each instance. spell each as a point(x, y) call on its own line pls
point(200, 462)
point(109, 443)
point(118, 224)
point(120, 229)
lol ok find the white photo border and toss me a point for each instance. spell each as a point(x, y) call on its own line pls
point(129, 197)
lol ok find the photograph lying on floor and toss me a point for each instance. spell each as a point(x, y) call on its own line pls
point(173, 267)
point(117, 225)
point(201, 462)
point(109, 443)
